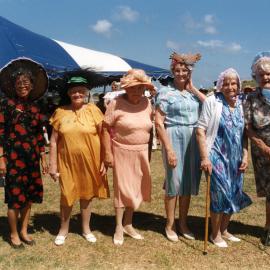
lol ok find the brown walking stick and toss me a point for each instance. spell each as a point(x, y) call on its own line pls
point(207, 203)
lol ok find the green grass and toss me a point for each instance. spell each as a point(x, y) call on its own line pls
point(154, 252)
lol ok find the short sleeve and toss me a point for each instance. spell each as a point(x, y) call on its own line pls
point(205, 114)
point(247, 111)
point(55, 118)
point(109, 117)
point(96, 113)
point(162, 101)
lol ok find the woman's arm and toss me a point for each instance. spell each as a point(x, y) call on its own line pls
point(257, 140)
point(159, 121)
point(244, 163)
point(53, 170)
point(106, 142)
point(3, 169)
point(206, 164)
point(102, 169)
point(191, 88)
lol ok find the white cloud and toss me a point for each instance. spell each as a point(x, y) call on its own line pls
point(209, 18)
point(172, 45)
point(210, 29)
point(126, 13)
point(207, 24)
point(102, 27)
point(215, 43)
point(234, 47)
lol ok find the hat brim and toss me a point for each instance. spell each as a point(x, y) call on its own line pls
point(147, 85)
point(40, 78)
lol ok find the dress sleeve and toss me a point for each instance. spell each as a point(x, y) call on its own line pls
point(2, 124)
point(109, 117)
point(247, 110)
point(96, 113)
point(55, 119)
point(205, 114)
point(162, 101)
point(40, 135)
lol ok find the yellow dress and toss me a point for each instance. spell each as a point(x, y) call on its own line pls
point(78, 154)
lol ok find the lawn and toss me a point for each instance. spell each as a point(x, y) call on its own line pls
point(154, 252)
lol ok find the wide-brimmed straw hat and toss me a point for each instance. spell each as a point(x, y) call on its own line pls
point(16, 67)
point(136, 77)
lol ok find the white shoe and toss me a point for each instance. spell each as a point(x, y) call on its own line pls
point(232, 238)
point(60, 240)
point(172, 237)
point(90, 237)
point(189, 236)
point(221, 244)
point(118, 242)
point(135, 235)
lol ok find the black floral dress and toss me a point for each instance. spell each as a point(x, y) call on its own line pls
point(21, 137)
point(257, 113)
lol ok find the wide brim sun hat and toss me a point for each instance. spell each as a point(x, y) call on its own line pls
point(136, 77)
point(10, 71)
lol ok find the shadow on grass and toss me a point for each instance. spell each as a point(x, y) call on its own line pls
point(143, 221)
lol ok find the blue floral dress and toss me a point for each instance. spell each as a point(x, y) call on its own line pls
point(226, 191)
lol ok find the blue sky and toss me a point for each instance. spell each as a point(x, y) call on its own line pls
point(227, 33)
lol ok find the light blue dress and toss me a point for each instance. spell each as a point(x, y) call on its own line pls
point(226, 191)
point(182, 112)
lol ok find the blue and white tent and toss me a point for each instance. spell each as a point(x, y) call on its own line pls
point(57, 56)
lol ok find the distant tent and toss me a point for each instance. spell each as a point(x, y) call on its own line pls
point(57, 56)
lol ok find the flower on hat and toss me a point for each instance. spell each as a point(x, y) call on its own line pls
point(187, 59)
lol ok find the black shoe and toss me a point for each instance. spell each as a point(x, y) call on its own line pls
point(29, 242)
point(15, 246)
point(265, 239)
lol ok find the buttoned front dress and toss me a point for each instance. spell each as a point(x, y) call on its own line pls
point(181, 109)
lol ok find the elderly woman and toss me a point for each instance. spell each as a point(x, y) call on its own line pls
point(75, 154)
point(127, 153)
point(177, 113)
point(224, 155)
point(22, 143)
point(257, 120)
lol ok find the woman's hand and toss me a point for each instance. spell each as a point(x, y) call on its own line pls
point(189, 86)
point(244, 164)
point(102, 169)
point(206, 165)
point(44, 164)
point(266, 151)
point(108, 160)
point(172, 160)
point(54, 172)
point(3, 167)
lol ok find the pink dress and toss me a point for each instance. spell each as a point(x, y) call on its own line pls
point(131, 173)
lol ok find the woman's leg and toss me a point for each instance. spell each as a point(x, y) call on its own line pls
point(13, 221)
point(224, 225)
point(267, 210)
point(128, 215)
point(85, 206)
point(25, 216)
point(127, 223)
point(216, 219)
point(119, 213)
point(65, 213)
point(170, 205)
point(184, 202)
